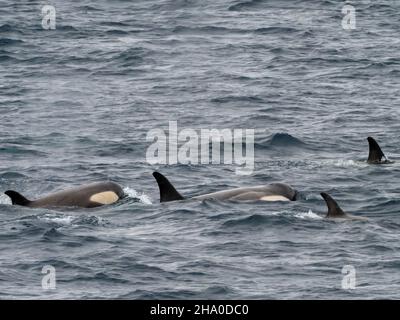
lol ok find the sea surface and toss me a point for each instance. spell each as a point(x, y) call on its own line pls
point(77, 103)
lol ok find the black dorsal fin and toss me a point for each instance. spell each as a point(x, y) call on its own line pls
point(334, 211)
point(17, 198)
point(167, 190)
point(375, 151)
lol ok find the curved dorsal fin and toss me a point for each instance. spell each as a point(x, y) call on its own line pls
point(375, 151)
point(17, 198)
point(167, 190)
point(334, 211)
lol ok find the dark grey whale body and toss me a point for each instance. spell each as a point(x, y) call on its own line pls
point(335, 212)
point(376, 154)
point(270, 192)
point(86, 196)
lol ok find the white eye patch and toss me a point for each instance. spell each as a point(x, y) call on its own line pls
point(274, 198)
point(106, 197)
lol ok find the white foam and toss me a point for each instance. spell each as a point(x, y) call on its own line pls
point(346, 163)
point(307, 215)
point(130, 40)
point(63, 220)
point(313, 196)
point(132, 193)
point(4, 199)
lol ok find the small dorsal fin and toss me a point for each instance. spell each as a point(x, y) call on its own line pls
point(17, 198)
point(375, 151)
point(167, 190)
point(334, 211)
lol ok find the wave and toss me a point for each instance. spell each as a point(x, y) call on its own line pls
point(62, 220)
point(276, 29)
point(131, 56)
point(6, 28)
point(244, 5)
point(9, 41)
point(58, 219)
point(252, 220)
point(257, 220)
point(227, 99)
point(88, 8)
point(21, 151)
point(66, 28)
point(114, 24)
point(116, 32)
point(11, 175)
point(206, 30)
point(215, 30)
point(346, 163)
point(52, 234)
point(132, 193)
point(284, 140)
point(307, 215)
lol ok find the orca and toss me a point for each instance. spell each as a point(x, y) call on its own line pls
point(270, 192)
point(375, 153)
point(335, 212)
point(86, 196)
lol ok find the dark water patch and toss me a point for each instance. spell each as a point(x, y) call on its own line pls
point(386, 6)
point(86, 141)
point(131, 57)
point(86, 8)
point(15, 150)
point(164, 294)
point(117, 32)
point(280, 140)
point(7, 58)
point(5, 42)
point(285, 139)
point(52, 234)
point(213, 30)
point(276, 30)
point(54, 135)
point(227, 99)
point(118, 73)
point(218, 291)
point(67, 28)
point(245, 5)
point(254, 220)
point(114, 24)
point(385, 207)
point(111, 150)
point(8, 28)
point(98, 277)
point(10, 175)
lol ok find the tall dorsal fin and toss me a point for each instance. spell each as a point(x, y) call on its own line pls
point(167, 190)
point(17, 198)
point(375, 151)
point(334, 211)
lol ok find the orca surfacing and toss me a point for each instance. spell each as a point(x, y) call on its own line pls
point(335, 212)
point(270, 192)
point(376, 154)
point(86, 196)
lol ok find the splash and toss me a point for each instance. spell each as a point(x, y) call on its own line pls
point(307, 215)
point(4, 199)
point(132, 193)
point(59, 219)
point(347, 163)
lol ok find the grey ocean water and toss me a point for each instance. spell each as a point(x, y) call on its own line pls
point(77, 102)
